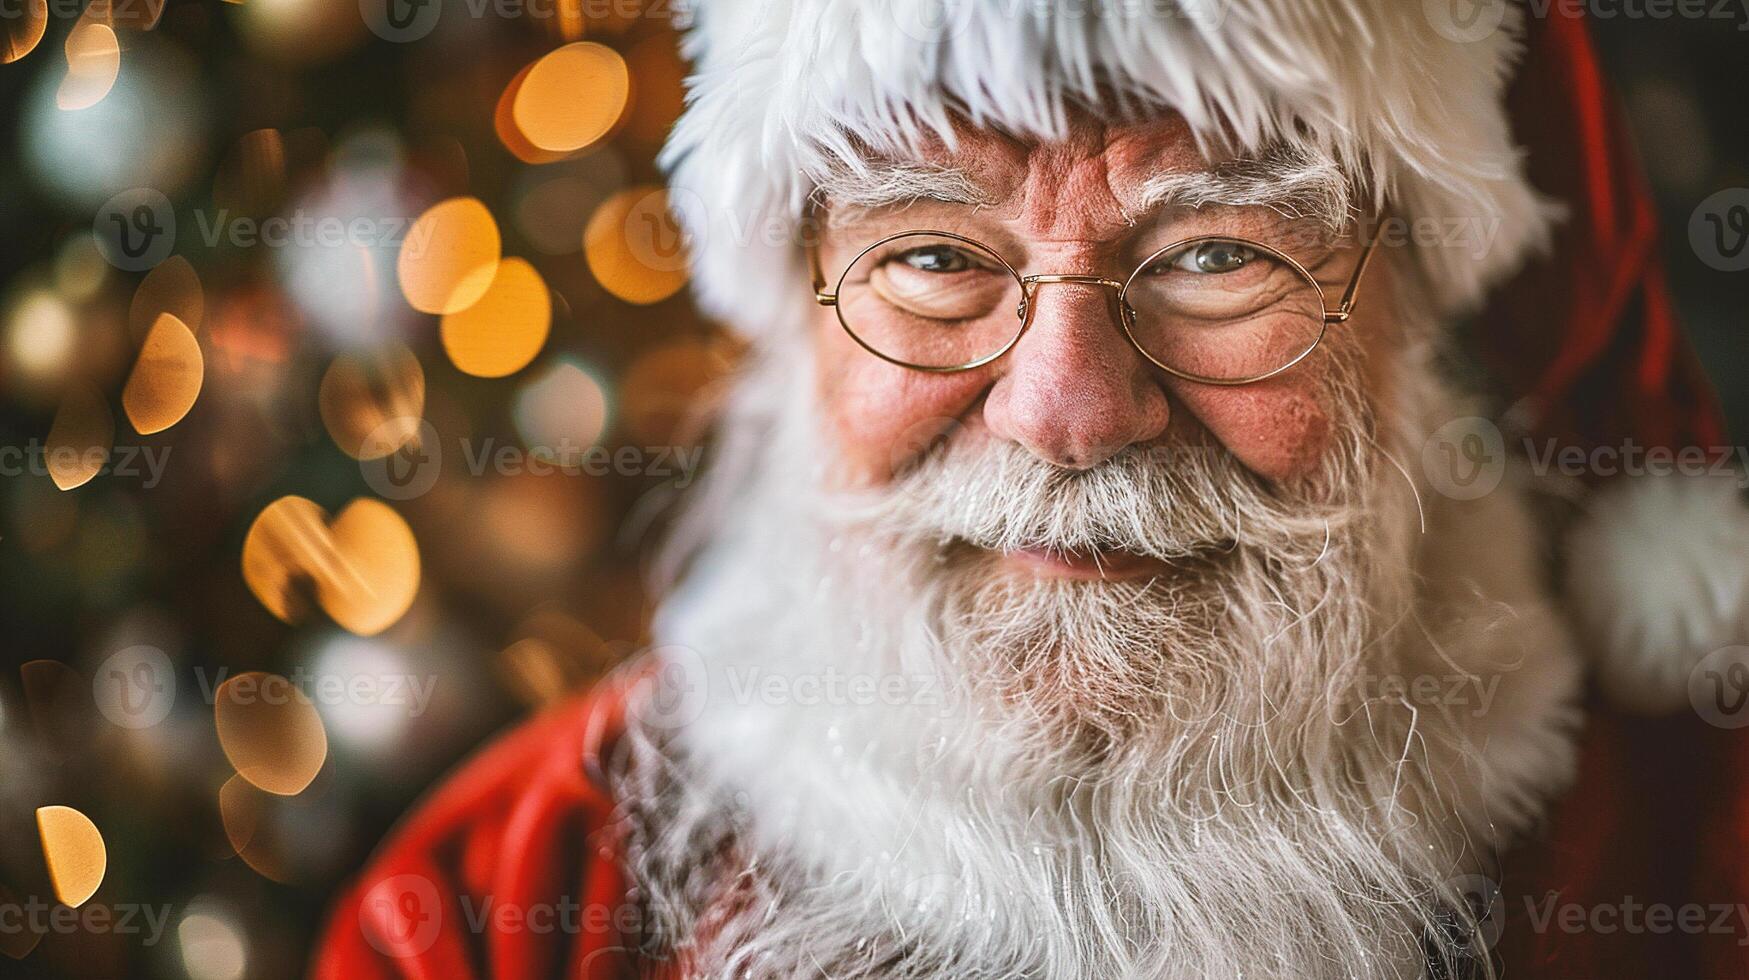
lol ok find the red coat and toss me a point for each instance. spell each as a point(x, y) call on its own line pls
point(1639, 872)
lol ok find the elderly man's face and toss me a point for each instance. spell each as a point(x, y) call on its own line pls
point(1074, 391)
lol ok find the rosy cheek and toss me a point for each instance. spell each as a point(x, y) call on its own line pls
point(1278, 429)
point(881, 414)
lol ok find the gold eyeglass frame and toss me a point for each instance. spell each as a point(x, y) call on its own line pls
point(1127, 314)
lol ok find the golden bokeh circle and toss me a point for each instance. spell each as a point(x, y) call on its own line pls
point(270, 731)
point(23, 29)
point(362, 569)
point(80, 437)
point(634, 247)
point(166, 378)
point(572, 97)
point(93, 62)
point(504, 331)
point(449, 256)
point(74, 851)
point(371, 403)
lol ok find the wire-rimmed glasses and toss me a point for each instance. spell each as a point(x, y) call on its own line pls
point(1215, 309)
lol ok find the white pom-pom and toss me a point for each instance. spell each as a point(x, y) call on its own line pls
point(1658, 572)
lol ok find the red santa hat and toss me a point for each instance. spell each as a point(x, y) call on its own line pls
point(1420, 106)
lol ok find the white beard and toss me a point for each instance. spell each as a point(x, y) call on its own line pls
point(955, 773)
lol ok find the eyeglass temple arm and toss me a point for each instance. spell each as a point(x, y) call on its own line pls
point(811, 238)
point(1346, 306)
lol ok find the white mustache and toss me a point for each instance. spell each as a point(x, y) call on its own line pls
point(1166, 502)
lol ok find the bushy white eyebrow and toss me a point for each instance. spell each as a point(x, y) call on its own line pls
point(881, 184)
point(1293, 185)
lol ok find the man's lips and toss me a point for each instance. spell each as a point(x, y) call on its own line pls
point(1109, 565)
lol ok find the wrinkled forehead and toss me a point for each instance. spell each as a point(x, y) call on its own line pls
point(1126, 169)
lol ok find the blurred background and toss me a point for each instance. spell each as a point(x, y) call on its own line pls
point(346, 369)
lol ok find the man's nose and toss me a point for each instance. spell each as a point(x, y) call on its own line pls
point(1075, 390)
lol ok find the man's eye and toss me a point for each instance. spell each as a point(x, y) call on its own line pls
point(1212, 258)
point(938, 258)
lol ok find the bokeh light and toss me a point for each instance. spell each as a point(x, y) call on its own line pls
point(449, 257)
point(373, 401)
point(80, 439)
point(562, 408)
point(81, 271)
point(571, 97)
point(74, 851)
point(270, 731)
point(166, 379)
point(40, 334)
point(371, 719)
point(211, 945)
point(503, 331)
point(93, 62)
point(634, 247)
point(148, 130)
point(173, 287)
point(376, 250)
point(362, 568)
point(22, 29)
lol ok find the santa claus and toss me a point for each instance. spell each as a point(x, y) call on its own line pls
point(1103, 574)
